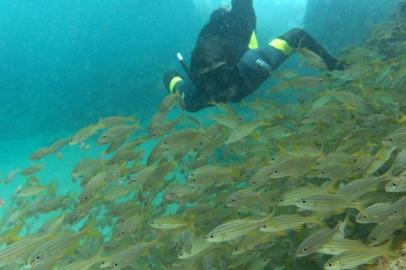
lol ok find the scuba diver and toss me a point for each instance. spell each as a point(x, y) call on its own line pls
point(227, 65)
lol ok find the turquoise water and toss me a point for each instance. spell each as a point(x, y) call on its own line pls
point(66, 64)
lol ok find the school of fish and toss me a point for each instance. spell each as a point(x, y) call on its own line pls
point(318, 184)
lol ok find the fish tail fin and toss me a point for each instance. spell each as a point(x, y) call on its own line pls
point(318, 219)
point(159, 235)
point(342, 225)
point(100, 124)
point(52, 188)
point(281, 149)
point(330, 186)
point(387, 250)
point(402, 118)
point(264, 123)
point(269, 216)
point(134, 117)
point(90, 230)
point(99, 253)
point(13, 234)
point(84, 146)
point(360, 207)
point(236, 171)
point(322, 151)
point(190, 221)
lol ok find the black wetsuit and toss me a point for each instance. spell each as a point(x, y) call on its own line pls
point(224, 68)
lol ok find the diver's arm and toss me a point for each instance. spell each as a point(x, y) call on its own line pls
point(298, 38)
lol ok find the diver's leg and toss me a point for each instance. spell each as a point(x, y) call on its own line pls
point(298, 38)
point(258, 64)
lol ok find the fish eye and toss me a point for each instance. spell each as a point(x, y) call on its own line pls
point(395, 211)
point(393, 184)
point(276, 171)
point(304, 201)
point(37, 257)
point(324, 172)
point(281, 200)
point(307, 117)
point(264, 226)
point(374, 239)
point(211, 236)
point(364, 216)
point(330, 265)
point(193, 180)
point(305, 249)
point(121, 233)
point(85, 198)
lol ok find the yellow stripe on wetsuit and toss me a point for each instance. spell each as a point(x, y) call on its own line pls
point(173, 83)
point(253, 42)
point(282, 46)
